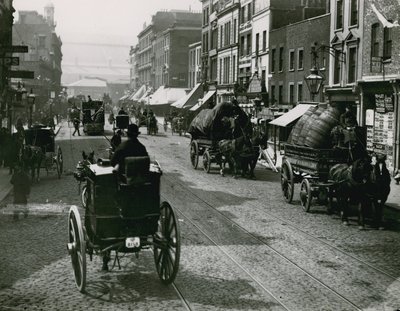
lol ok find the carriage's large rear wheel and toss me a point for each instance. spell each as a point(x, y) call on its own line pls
point(77, 247)
point(206, 161)
point(167, 247)
point(287, 181)
point(194, 154)
point(305, 194)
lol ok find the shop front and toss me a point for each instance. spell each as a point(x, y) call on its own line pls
point(380, 111)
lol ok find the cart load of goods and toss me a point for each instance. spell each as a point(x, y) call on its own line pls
point(209, 122)
point(315, 126)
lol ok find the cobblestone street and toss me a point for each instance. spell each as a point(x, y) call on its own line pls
point(243, 247)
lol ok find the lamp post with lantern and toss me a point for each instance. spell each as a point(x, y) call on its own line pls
point(314, 81)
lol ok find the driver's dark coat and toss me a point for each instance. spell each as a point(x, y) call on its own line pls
point(130, 148)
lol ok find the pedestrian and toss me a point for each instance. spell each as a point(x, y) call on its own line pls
point(116, 140)
point(76, 126)
point(122, 111)
point(21, 185)
point(89, 99)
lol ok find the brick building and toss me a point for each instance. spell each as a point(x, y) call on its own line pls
point(291, 60)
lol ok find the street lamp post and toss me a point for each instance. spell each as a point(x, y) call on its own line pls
point(314, 80)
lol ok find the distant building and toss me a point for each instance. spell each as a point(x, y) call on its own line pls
point(44, 57)
point(94, 87)
point(163, 48)
point(117, 88)
point(133, 74)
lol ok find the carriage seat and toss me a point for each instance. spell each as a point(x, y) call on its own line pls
point(137, 171)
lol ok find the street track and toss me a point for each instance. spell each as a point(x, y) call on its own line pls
point(259, 240)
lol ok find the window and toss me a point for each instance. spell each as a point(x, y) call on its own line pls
point(354, 12)
point(227, 34)
point(273, 55)
point(291, 60)
point(249, 11)
point(280, 94)
point(249, 44)
point(233, 68)
point(213, 71)
point(352, 65)
point(242, 14)
point(214, 38)
point(221, 36)
point(300, 59)
point(291, 93)
point(387, 43)
point(280, 58)
point(300, 92)
point(42, 41)
point(374, 40)
point(220, 71)
point(226, 70)
point(263, 76)
point(339, 14)
point(273, 94)
point(234, 30)
point(337, 67)
point(264, 43)
point(241, 45)
point(257, 42)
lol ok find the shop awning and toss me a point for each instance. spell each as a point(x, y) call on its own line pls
point(180, 102)
point(206, 98)
point(138, 94)
point(124, 97)
point(292, 115)
point(164, 96)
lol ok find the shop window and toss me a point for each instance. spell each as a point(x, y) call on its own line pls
point(387, 43)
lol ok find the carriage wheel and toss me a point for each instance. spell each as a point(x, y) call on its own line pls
point(207, 162)
point(167, 256)
point(60, 162)
point(77, 247)
point(194, 154)
point(305, 194)
point(287, 181)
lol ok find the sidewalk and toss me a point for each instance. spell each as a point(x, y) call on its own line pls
point(5, 177)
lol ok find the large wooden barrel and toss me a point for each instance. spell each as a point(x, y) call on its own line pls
point(295, 133)
point(319, 133)
point(308, 124)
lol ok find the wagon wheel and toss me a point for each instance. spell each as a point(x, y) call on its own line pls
point(167, 251)
point(207, 161)
point(60, 162)
point(194, 154)
point(305, 194)
point(77, 247)
point(287, 181)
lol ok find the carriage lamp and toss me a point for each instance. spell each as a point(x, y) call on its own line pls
point(31, 101)
point(314, 82)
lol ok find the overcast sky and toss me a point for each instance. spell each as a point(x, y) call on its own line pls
point(118, 17)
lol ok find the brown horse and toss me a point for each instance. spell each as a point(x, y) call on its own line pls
point(32, 158)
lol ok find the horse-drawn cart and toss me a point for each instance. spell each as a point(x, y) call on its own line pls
point(43, 151)
point(93, 117)
point(123, 214)
point(309, 167)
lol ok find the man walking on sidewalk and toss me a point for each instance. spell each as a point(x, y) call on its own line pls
point(76, 126)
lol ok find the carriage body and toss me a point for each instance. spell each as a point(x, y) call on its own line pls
point(44, 138)
point(93, 117)
point(310, 167)
point(124, 215)
point(122, 121)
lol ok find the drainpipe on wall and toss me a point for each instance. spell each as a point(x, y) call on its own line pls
point(396, 151)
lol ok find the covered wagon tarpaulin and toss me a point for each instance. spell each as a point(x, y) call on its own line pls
point(292, 115)
point(208, 123)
